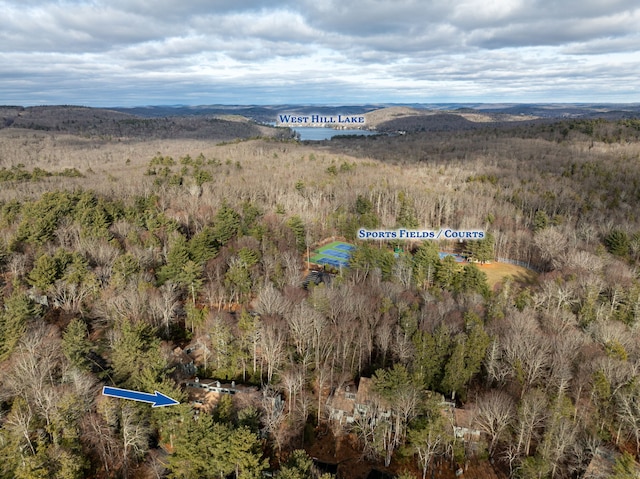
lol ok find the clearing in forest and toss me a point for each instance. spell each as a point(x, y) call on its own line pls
point(497, 272)
point(336, 254)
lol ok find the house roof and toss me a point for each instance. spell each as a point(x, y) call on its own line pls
point(340, 402)
point(463, 418)
point(363, 395)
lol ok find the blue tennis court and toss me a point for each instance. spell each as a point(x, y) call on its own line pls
point(333, 262)
point(457, 257)
point(336, 254)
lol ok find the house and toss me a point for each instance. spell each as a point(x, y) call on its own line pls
point(349, 402)
point(205, 394)
point(463, 427)
point(341, 404)
point(183, 362)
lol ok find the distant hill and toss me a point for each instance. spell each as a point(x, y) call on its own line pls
point(227, 122)
point(101, 122)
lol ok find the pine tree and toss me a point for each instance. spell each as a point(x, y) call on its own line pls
point(76, 345)
point(226, 224)
point(18, 309)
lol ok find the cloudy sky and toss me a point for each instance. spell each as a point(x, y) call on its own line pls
point(152, 52)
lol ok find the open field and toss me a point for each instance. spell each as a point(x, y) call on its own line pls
point(497, 272)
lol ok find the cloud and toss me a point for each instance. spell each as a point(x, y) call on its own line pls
point(249, 51)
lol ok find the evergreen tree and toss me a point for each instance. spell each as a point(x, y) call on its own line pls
point(204, 245)
point(446, 273)
point(18, 309)
point(76, 345)
point(472, 279)
point(297, 226)
point(206, 449)
point(226, 224)
point(425, 263)
point(617, 242)
point(177, 257)
point(483, 250)
point(125, 267)
point(406, 217)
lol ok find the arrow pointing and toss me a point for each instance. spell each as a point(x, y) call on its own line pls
point(157, 399)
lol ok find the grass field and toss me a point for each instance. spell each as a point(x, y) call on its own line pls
point(497, 272)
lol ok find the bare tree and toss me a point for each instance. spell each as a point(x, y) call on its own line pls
point(494, 414)
point(272, 346)
point(19, 420)
point(165, 304)
point(530, 418)
point(134, 436)
point(553, 246)
point(526, 350)
point(274, 417)
point(270, 301)
point(628, 412)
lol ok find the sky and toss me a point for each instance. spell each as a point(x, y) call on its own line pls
point(201, 52)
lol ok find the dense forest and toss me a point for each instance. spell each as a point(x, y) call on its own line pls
point(119, 255)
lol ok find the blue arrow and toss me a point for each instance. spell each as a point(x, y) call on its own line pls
point(157, 399)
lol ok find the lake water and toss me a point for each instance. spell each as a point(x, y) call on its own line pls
point(326, 133)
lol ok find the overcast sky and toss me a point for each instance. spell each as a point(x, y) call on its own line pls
point(152, 52)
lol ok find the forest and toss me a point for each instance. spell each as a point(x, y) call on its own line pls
point(119, 256)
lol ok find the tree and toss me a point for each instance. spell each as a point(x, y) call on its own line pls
point(471, 279)
point(134, 434)
point(226, 224)
point(76, 345)
point(272, 347)
point(494, 413)
point(206, 449)
point(446, 273)
point(237, 280)
point(483, 250)
point(431, 436)
point(396, 407)
point(628, 411)
point(425, 263)
point(552, 245)
point(297, 226)
point(530, 418)
point(540, 220)
point(625, 467)
point(300, 466)
point(455, 373)
point(18, 310)
point(135, 352)
point(617, 242)
point(406, 217)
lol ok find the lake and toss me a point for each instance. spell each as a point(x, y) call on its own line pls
point(326, 133)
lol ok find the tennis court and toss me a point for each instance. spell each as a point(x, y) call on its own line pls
point(336, 254)
point(459, 258)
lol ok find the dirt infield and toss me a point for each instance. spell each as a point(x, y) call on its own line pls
point(497, 272)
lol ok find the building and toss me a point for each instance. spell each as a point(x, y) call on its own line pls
point(350, 402)
point(205, 394)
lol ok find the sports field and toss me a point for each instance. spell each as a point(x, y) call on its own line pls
point(497, 272)
point(334, 254)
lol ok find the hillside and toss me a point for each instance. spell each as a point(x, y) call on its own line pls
point(100, 122)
